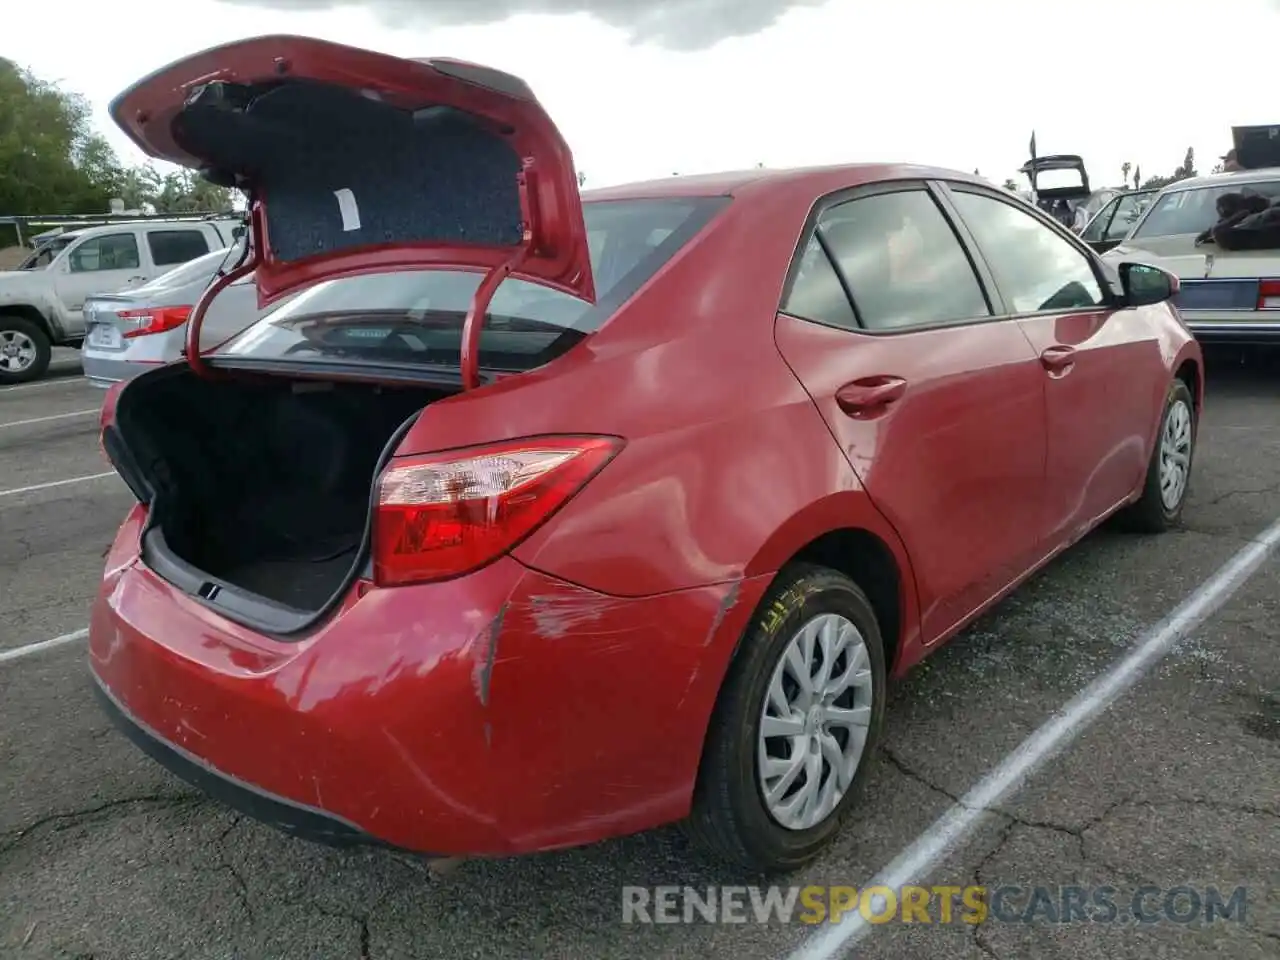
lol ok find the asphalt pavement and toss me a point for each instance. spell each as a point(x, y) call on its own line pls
point(103, 855)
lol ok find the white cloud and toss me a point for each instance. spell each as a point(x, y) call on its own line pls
point(956, 85)
point(675, 24)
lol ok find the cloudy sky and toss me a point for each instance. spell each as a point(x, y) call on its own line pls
point(644, 88)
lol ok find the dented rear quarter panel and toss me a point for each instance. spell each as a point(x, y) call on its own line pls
point(477, 716)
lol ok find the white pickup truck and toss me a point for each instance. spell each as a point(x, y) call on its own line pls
point(41, 303)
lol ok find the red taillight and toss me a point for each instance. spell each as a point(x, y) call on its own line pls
point(446, 514)
point(1269, 295)
point(140, 323)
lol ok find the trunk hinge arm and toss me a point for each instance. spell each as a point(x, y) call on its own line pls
point(246, 266)
point(474, 321)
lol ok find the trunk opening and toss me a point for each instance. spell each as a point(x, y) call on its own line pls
point(262, 487)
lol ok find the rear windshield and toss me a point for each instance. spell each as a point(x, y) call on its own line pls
point(193, 271)
point(416, 317)
point(1191, 211)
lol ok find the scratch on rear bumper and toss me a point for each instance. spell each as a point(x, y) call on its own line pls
point(288, 816)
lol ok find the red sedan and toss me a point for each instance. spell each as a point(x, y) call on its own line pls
point(528, 518)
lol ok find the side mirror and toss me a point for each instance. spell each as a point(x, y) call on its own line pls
point(1144, 284)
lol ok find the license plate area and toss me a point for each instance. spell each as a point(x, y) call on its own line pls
point(1218, 295)
point(105, 336)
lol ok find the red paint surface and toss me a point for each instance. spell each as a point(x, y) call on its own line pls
point(477, 727)
point(561, 694)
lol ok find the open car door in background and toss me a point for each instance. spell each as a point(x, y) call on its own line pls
point(1110, 225)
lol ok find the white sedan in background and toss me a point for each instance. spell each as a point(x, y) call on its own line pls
point(136, 329)
point(1227, 296)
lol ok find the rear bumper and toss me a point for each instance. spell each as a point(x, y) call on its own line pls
point(104, 371)
point(295, 819)
point(1210, 328)
point(481, 716)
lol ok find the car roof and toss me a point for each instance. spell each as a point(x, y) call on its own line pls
point(1235, 177)
point(820, 180)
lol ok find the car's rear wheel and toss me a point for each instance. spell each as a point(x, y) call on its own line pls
point(25, 351)
point(1168, 474)
point(798, 716)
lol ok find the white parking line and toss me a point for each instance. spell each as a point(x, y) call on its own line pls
point(51, 382)
point(56, 416)
point(917, 861)
point(19, 652)
point(55, 483)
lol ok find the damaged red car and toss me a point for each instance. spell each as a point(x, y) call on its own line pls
point(525, 518)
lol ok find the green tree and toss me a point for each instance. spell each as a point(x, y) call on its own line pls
point(51, 161)
point(185, 191)
point(1188, 168)
point(1011, 185)
point(139, 186)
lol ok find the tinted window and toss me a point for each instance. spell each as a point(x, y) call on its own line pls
point(1035, 267)
point(416, 317)
point(816, 292)
point(902, 261)
point(1180, 212)
point(176, 246)
point(115, 251)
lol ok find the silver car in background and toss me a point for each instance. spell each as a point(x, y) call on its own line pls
point(136, 329)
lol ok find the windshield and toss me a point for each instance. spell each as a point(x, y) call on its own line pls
point(1191, 211)
point(415, 318)
point(46, 252)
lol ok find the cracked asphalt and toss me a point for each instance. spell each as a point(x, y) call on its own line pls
point(105, 856)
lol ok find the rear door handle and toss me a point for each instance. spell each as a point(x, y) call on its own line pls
point(1058, 358)
point(869, 394)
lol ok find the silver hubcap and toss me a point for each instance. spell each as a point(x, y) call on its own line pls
point(17, 351)
point(1175, 454)
point(813, 726)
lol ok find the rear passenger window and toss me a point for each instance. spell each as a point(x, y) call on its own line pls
point(816, 293)
point(169, 247)
point(901, 260)
point(114, 251)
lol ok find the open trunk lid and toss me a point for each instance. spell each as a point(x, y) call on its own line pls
point(1058, 177)
point(356, 161)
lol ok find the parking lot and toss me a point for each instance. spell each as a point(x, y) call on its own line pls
point(104, 856)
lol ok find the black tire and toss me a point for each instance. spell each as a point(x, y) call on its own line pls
point(9, 323)
point(729, 816)
point(1150, 514)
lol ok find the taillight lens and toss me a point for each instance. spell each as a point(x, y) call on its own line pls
point(141, 323)
point(443, 515)
point(1269, 295)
